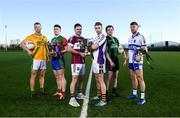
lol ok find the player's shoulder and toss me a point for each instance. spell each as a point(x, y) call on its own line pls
point(116, 38)
point(141, 36)
point(71, 37)
point(43, 35)
point(30, 37)
point(103, 35)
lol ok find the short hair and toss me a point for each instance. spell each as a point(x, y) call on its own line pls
point(56, 25)
point(134, 23)
point(98, 23)
point(37, 23)
point(109, 27)
point(77, 25)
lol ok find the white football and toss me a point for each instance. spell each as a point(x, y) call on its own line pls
point(30, 45)
point(139, 58)
point(120, 49)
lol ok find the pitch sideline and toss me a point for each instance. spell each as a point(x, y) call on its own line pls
point(86, 99)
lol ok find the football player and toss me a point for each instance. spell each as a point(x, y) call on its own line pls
point(135, 43)
point(76, 45)
point(58, 45)
point(113, 50)
point(98, 47)
point(39, 55)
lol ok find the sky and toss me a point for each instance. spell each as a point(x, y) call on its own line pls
point(159, 19)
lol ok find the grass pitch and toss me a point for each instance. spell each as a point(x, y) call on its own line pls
point(163, 84)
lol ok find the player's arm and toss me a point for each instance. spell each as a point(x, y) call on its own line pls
point(99, 43)
point(109, 59)
point(48, 53)
point(23, 46)
point(125, 57)
point(65, 45)
point(70, 49)
point(143, 45)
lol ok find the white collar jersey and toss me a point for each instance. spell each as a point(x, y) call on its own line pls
point(99, 54)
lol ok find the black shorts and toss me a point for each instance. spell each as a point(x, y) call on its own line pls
point(116, 62)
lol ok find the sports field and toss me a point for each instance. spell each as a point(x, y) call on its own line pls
point(163, 84)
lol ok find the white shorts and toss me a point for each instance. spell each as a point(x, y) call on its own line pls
point(98, 68)
point(39, 65)
point(78, 69)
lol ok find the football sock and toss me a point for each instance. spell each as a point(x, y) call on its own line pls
point(79, 90)
point(103, 97)
point(142, 95)
point(42, 90)
point(114, 90)
point(98, 93)
point(59, 90)
point(72, 94)
point(33, 92)
point(134, 92)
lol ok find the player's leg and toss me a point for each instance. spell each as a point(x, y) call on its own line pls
point(114, 82)
point(58, 82)
point(73, 102)
point(62, 83)
point(73, 85)
point(75, 70)
point(63, 80)
point(32, 82)
point(80, 95)
point(95, 69)
point(41, 81)
point(108, 80)
point(134, 82)
point(115, 76)
point(139, 75)
point(80, 86)
point(98, 88)
point(103, 100)
point(34, 72)
point(42, 67)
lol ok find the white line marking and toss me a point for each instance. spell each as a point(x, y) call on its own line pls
point(86, 98)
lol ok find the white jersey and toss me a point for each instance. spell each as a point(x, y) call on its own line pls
point(135, 41)
point(99, 54)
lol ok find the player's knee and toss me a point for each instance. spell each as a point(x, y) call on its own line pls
point(33, 74)
point(140, 78)
point(41, 75)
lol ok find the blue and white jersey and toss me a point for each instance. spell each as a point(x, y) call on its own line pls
point(136, 41)
point(99, 54)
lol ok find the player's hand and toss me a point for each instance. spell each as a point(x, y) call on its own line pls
point(82, 54)
point(30, 53)
point(112, 64)
point(55, 54)
point(48, 61)
point(125, 63)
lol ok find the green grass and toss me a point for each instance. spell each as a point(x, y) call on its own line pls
point(163, 84)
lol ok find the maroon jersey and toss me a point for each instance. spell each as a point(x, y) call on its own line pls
point(77, 44)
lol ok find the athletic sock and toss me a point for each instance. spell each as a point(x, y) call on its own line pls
point(59, 90)
point(63, 93)
point(79, 90)
point(72, 95)
point(107, 96)
point(114, 90)
point(98, 93)
point(33, 92)
point(142, 95)
point(134, 91)
point(103, 97)
point(42, 90)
